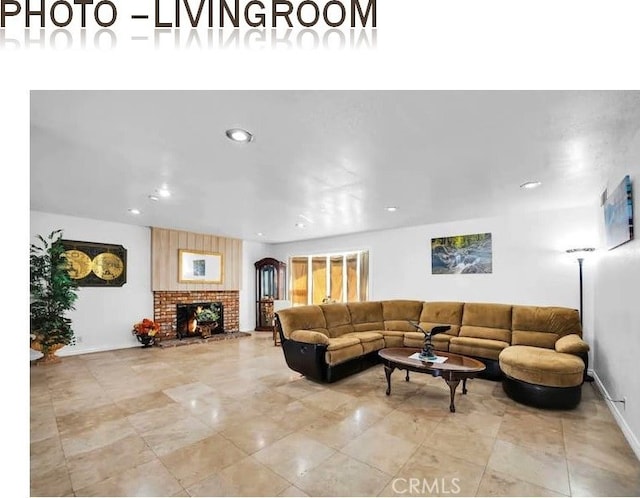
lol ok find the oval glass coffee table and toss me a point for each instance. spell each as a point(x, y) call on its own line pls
point(455, 369)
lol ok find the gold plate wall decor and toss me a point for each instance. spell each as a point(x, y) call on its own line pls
point(93, 264)
point(107, 266)
point(79, 264)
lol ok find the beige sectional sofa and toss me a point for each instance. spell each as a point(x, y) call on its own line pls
point(537, 350)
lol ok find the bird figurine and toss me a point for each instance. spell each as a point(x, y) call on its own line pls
point(427, 353)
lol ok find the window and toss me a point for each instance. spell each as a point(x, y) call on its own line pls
point(337, 277)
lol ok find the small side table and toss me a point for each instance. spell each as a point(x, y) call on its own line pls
point(278, 304)
point(276, 337)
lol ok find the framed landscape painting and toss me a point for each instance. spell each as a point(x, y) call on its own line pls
point(462, 254)
point(618, 215)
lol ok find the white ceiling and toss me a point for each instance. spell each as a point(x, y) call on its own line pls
point(336, 158)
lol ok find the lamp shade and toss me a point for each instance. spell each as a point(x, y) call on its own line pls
point(581, 252)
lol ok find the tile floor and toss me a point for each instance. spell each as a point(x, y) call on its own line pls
point(230, 419)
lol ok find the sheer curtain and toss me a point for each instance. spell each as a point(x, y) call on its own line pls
point(339, 277)
point(336, 278)
point(319, 269)
point(299, 280)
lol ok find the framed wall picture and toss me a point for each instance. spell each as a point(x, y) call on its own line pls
point(94, 264)
point(199, 267)
point(618, 215)
point(462, 254)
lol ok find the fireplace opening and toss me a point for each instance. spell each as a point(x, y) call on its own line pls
point(199, 319)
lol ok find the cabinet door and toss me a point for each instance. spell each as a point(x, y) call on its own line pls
point(270, 286)
point(267, 287)
point(264, 314)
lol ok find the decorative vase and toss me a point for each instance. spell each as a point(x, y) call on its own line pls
point(146, 340)
point(49, 356)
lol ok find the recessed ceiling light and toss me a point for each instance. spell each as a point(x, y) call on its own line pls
point(392, 209)
point(239, 135)
point(134, 211)
point(530, 185)
point(259, 234)
point(154, 198)
point(164, 192)
point(300, 225)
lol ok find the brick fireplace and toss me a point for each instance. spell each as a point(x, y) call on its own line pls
point(164, 308)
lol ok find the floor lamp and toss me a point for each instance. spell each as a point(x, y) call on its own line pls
point(581, 253)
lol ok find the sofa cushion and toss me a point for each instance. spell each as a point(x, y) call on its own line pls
point(366, 316)
point(546, 319)
point(497, 316)
point(542, 366)
point(393, 333)
point(392, 338)
point(495, 334)
point(343, 350)
point(397, 314)
point(416, 340)
point(371, 341)
point(336, 343)
point(376, 345)
point(394, 341)
point(399, 325)
point(442, 313)
point(309, 336)
point(302, 318)
point(572, 344)
point(473, 346)
point(338, 319)
point(537, 339)
point(365, 336)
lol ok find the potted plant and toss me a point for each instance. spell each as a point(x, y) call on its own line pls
point(145, 331)
point(53, 294)
point(207, 321)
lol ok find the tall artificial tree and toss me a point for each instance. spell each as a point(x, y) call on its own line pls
point(53, 294)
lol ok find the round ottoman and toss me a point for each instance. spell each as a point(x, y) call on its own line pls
point(542, 377)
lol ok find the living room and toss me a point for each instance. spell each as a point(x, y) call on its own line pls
point(380, 172)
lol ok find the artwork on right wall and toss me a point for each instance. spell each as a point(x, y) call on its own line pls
point(618, 215)
point(462, 254)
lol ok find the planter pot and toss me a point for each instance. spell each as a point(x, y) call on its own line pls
point(207, 328)
point(48, 354)
point(146, 340)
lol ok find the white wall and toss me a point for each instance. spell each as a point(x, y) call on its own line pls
point(104, 317)
point(617, 311)
point(529, 262)
point(251, 252)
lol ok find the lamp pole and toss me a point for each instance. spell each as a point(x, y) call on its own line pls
point(580, 260)
point(580, 252)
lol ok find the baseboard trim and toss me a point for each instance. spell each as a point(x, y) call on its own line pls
point(34, 355)
point(622, 423)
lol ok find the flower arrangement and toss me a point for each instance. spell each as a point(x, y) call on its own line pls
point(146, 327)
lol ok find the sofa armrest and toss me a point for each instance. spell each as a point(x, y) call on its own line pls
point(572, 344)
point(309, 336)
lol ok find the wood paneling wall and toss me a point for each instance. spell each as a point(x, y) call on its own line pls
point(164, 259)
